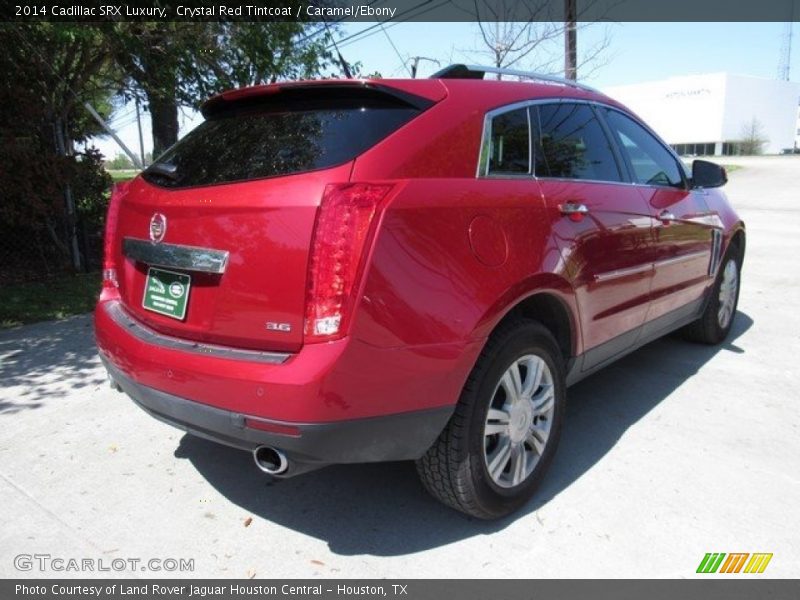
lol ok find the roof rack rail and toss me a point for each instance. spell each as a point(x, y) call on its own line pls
point(477, 72)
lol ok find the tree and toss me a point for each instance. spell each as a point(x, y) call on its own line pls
point(156, 61)
point(516, 34)
point(752, 137)
point(47, 72)
point(257, 53)
point(168, 65)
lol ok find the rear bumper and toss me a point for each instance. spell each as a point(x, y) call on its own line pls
point(340, 402)
point(396, 437)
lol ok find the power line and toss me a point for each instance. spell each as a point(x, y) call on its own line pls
point(391, 24)
point(396, 51)
point(121, 116)
point(394, 20)
point(323, 28)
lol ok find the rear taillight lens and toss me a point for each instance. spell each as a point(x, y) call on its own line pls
point(112, 215)
point(344, 227)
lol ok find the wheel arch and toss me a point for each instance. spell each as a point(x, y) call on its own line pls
point(739, 242)
point(551, 303)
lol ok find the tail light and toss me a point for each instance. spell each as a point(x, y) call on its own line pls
point(343, 229)
point(112, 215)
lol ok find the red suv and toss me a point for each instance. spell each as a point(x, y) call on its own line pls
point(373, 270)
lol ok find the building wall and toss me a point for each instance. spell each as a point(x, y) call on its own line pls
point(797, 136)
point(715, 108)
point(772, 102)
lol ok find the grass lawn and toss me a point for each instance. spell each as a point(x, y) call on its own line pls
point(45, 300)
point(123, 175)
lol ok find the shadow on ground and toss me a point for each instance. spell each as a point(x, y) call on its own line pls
point(382, 509)
point(46, 361)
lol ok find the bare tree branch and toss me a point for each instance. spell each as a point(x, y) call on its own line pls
point(534, 42)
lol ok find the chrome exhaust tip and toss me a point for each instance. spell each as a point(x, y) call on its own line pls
point(270, 460)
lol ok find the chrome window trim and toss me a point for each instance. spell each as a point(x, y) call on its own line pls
point(142, 332)
point(188, 258)
point(576, 180)
point(483, 168)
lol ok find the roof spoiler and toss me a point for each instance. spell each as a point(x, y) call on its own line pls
point(349, 89)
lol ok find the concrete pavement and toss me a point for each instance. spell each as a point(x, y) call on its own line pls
point(673, 452)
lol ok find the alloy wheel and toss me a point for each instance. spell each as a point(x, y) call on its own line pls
point(519, 420)
point(728, 290)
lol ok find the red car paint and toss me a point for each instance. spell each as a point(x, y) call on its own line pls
point(447, 256)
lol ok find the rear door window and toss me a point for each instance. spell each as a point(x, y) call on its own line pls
point(269, 141)
point(571, 143)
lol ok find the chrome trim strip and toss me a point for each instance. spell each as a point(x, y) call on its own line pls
point(679, 259)
point(530, 142)
point(716, 252)
point(188, 258)
point(620, 273)
point(140, 331)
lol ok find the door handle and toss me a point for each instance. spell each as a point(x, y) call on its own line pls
point(666, 217)
point(574, 210)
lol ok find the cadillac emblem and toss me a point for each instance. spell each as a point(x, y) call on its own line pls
point(158, 227)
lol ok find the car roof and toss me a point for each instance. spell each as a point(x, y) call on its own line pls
point(480, 94)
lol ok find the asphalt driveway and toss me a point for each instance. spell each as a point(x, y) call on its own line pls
point(673, 452)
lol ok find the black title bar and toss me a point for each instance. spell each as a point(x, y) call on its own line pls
point(410, 589)
point(400, 10)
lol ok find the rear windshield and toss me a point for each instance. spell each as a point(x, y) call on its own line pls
point(258, 142)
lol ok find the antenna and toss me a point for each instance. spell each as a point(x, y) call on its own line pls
point(786, 52)
point(342, 61)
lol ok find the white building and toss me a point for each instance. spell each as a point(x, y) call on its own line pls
point(708, 114)
point(797, 137)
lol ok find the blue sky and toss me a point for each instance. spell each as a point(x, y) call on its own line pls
point(637, 52)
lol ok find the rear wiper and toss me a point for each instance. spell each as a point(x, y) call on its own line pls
point(167, 170)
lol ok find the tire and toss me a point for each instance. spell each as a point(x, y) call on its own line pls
point(463, 467)
point(715, 324)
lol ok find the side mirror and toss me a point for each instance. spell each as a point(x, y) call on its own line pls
point(706, 174)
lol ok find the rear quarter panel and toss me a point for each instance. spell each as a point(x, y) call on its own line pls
point(452, 257)
point(425, 283)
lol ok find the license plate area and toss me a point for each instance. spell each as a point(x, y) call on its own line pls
point(166, 292)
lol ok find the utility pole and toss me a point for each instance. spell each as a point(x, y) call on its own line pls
point(570, 40)
point(141, 139)
point(497, 48)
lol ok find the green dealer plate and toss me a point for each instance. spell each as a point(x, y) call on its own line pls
point(166, 292)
